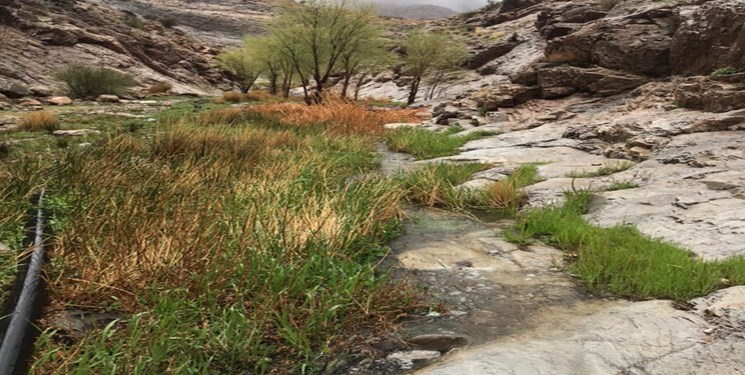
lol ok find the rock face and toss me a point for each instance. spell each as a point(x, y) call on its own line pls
point(710, 37)
point(712, 94)
point(92, 34)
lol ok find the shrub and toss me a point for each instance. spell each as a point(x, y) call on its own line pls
point(87, 82)
point(232, 97)
point(131, 20)
point(42, 120)
point(159, 88)
point(724, 71)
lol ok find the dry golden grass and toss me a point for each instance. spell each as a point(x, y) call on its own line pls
point(503, 195)
point(160, 88)
point(230, 97)
point(339, 117)
point(41, 120)
point(227, 116)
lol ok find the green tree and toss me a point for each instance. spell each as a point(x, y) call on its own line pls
point(244, 64)
point(315, 37)
point(430, 55)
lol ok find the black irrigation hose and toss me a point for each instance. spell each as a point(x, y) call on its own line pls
point(23, 307)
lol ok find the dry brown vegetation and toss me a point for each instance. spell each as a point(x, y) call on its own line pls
point(339, 117)
point(160, 88)
point(38, 121)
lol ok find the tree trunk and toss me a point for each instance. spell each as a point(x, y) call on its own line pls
point(345, 85)
point(359, 84)
point(413, 90)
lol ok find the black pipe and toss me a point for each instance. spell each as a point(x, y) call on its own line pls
point(24, 305)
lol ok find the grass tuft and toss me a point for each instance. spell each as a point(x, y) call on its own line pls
point(40, 121)
point(160, 88)
point(621, 259)
point(86, 82)
point(425, 144)
point(621, 185)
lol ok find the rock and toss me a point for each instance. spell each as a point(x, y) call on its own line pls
point(42, 91)
point(490, 53)
point(710, 37)
point(29, 103)
point(711, 94)
point(414, 358)
point(399, 125)
point(496, 116)
point(9, 120)
point(75, 132)
point(561, 81)
point(5, 105)
point(438, 342)
point(59, 100)
point(508, 95)
point(563, 20)
point(5, 250)
point(107, 99)
point(638, 43)
point(14, 90)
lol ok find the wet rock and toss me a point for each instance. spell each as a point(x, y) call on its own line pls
point(438, 342)
point(59, 100)
point(710, 37)
point(414, 358)
point(107, 99)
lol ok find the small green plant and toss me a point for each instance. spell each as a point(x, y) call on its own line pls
point(132, 20)
point(724, 71)
point(434, 185)
point(87, 82)
point(5, 149)
point(606, 170)
point(621, 185)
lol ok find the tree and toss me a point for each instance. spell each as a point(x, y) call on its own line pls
point(366, 56)
point(316, 37)
point(431, 55)
point(244, 64)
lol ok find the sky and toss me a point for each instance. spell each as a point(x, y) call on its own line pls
point(456, 5)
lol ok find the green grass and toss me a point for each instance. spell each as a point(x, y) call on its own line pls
point(724, 71)
point(621, 259)
point(425, 144)
point(246, 247)
point(606, 170)
point(621, 185)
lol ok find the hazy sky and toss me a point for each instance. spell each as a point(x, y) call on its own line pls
point(457, 5)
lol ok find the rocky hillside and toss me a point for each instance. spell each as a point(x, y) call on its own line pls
point(37, 38)
point(215, 22)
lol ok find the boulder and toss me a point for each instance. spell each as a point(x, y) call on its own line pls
point(28, 102)
point(107, 99)
point(711, 94)
point(638, 43)
point(13, 89)
point(709, 38)
point(59, 100)
point(507, 95)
